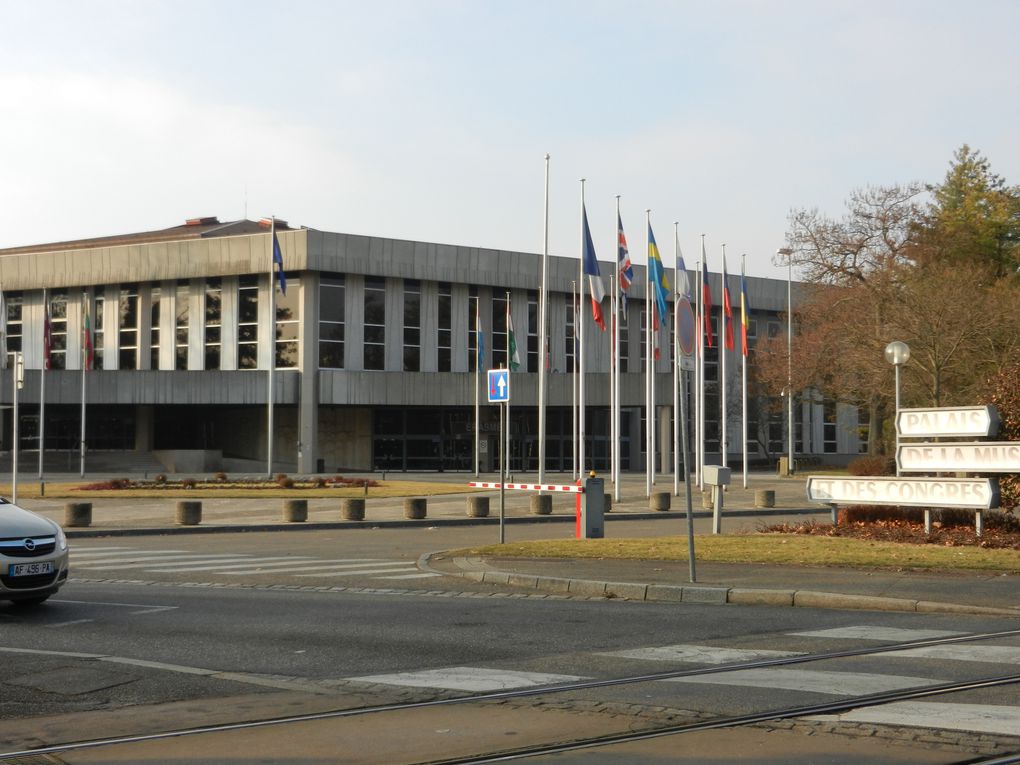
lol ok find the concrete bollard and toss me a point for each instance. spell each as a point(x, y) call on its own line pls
point(78, 514)
point(295, 510)
point(541, 504)
point(659, 500)
point(414, 508)
point(764, 498)
point(607, 503)
point(189, 512)
point(478, 507)
point(707, 501)
point(352, 509)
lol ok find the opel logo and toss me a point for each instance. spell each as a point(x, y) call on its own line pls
point(30, 544)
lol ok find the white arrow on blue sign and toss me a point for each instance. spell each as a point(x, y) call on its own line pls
point(499, 386)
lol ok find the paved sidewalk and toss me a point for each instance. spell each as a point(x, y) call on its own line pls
point(949, 592)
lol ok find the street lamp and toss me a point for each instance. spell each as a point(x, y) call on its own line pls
point(788, 254)
point(897, 353)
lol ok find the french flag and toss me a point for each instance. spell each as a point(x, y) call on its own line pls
point(590, 268)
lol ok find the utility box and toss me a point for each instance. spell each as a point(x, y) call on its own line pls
point(593, 510)
point(717, 475)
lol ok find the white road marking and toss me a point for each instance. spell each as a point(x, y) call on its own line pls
point(146, 609)
point(813, 681)
point(235, 562)
point(983, 718)
point(298, 564)
point(989, 654)
point(68, 624)
point(176, 560)
point(411, 576)
point(468, 679)
point(366, 572)
point(874, 632)
point(124, 554)
point(701, 654)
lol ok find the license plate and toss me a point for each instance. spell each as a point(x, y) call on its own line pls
point(30, 569)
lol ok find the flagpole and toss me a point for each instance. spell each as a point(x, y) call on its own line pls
point(614, 405)
point(723, 445)
point(542, 329)
point(580, 385)
point(649, 377)
point(478, 373)
point(676, 363)
point(743, 366)
point(272, 350)
point(510, 370)
point(84, 368)
point(42, 379)
point(573, 383)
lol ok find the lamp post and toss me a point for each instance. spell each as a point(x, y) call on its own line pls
point(788, 254)
point(897, 353)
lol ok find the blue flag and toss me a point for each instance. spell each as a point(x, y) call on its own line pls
point(278, 262)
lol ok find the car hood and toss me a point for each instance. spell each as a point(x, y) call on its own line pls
point(18, 522)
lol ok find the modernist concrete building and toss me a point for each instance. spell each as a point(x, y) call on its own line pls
point(374, 347)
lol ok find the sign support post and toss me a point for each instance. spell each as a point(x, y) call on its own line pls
point(499, 393)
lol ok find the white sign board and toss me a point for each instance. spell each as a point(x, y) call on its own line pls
point(978, 457)
point(953, 422)
point(977, 493)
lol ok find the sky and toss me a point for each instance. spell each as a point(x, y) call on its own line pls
point(431, 119)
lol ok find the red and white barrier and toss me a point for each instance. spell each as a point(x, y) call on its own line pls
point(528, 486)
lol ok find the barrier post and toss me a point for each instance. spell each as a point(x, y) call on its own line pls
point(593, 515)
point(577, 514)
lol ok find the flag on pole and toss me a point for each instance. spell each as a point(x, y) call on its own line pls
point(706, 300)
point(590, 268)
point(657, 274)
point(278, 261)
point(683, 282)
point(745, 309)
point(656, 352)
point(625, 270)
point(88, 352)
point(727, 308)
point(513, 357)
point(47, 338)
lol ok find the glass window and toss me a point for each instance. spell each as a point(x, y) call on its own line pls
point(58, 330)
point(531, 365)
point(412, 325)
point(128, 327)
point(154, 303)
point(332, 292)
point(14, 304)
point(99, 333)
point(375, 323)
point(473, 331)
point(181, 321)
point(499, 333)
point(213, 323)
point(248, 322)
point(288, 319)
point(829, 443)
point(445, 338)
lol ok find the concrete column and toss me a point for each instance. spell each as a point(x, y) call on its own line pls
point(308, 393)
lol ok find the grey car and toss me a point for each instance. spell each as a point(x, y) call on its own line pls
point(33, 555)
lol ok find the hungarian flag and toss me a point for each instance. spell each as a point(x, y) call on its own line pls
point(745, 309)
point(513, 357)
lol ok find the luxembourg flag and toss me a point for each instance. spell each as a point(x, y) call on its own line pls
point(590, 267)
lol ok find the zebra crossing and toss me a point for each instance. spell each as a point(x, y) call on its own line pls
point(120, 558)
point(972, 717)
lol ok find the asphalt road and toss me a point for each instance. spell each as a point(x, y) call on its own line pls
point(157, 633)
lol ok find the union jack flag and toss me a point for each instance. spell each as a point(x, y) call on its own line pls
point(626, 270)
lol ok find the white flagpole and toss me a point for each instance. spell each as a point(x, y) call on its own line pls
point(542, 329)
point(272, 350)
point(510, 371)
point(676, 362)
point(478, 374)
point(42, 382)
point(649, 374)
point(573, 382)
point(723, 445)
point(743, 369)
point(581, 430)
point(614, 403)
point(84, 368)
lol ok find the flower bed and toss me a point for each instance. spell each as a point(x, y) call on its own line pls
point(222, 481)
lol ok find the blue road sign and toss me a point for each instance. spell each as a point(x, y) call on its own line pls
point(499, 386)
